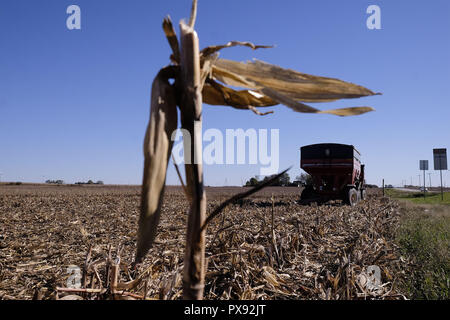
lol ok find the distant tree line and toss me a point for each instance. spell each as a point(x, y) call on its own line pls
point(54, 182)
point(59, 182)
point(301, 180)
point(90, 182)
point(283, 181)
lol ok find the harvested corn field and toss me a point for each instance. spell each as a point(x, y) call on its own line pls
point(257, 249)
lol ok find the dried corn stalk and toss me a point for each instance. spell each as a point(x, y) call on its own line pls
point(191, 120)
point(201, 77)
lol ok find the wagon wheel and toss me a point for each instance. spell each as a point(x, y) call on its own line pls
point(307, 193)
point(363, 194)
point(352, 197)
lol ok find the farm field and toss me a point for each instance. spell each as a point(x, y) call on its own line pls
point(434, 197)
point(307, 252)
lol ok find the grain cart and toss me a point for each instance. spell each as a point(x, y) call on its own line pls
point(336, 171)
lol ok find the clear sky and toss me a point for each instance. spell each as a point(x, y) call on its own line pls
point(74, 104)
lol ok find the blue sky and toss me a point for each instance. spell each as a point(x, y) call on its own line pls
point(74, 104)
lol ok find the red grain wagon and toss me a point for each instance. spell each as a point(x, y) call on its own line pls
point(336, 171)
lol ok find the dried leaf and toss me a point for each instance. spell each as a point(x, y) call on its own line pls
point(270, 276)
point(157, 150)
point(270, 85)
point(216, 94)
point(172, 39)
point(298, 86)
point(213, 49)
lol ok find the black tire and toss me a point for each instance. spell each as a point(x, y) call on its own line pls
point(352, 197)
point(307, 193)
point(363, 194)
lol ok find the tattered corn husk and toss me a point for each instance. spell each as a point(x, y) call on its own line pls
point(157, 150)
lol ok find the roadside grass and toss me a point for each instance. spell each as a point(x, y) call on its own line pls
point(423, 237)
point(417, 197)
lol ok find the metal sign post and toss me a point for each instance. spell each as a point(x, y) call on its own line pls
point(424, 167)
point(440, 163)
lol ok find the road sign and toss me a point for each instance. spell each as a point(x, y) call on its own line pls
point(440, 163)
point(423, 164)
point(424, 167)
point(440, 159)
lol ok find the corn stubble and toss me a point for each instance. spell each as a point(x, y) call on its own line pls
point(308, 252)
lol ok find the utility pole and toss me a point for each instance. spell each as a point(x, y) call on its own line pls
point(419, 181)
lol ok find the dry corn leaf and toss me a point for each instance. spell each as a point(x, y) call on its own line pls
point(157, 150)
point(213, 49)
point(270, 276)
point(298, 86)
point(271, 85)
